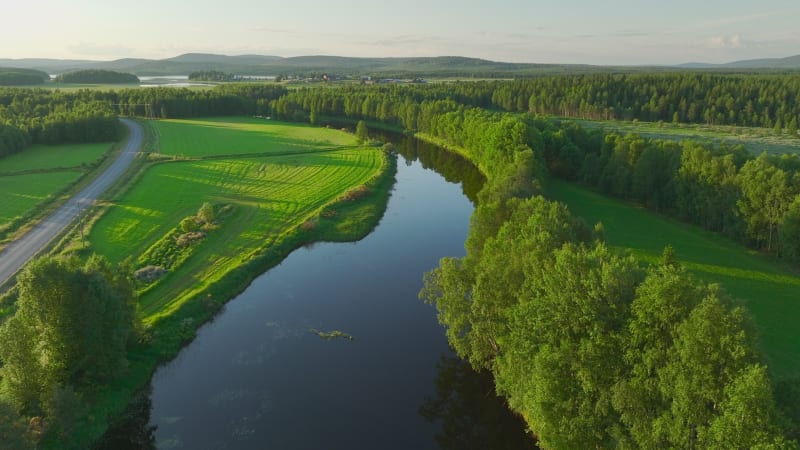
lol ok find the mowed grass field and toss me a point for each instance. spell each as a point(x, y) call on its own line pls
point(270, 195)
point(755, 140)
point(22, 193)
point(244, 135)
point(770, 291)
point(33, 176)
point(46, 157)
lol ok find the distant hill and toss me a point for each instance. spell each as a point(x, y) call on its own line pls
point(46, 65)
point(204, 58)
point(791, 62)
point(441, 66)
point(265, 65)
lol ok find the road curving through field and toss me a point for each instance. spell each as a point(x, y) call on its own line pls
point(19, 252)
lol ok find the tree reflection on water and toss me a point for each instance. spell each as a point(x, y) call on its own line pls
point(471, 414)
point(133, 430)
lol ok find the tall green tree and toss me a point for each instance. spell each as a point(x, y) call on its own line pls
point(713, 345)
point(13, 429)
point(488, 286)
point(362, 134)
point(663, 301)
point(653, 180)
point(766, 194)
point(562, 354)
point(707, 189)
point(206, 213)
point(72, 326)
point(748, 416)
point(790, 232)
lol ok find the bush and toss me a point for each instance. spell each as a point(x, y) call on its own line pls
point(148, 274)
point(356, 193)
point(206, 214)
point(189, 224)
point(187, 239)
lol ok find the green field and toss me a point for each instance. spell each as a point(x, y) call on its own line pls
point(22, 193)
point(240, 136)
point(755, 140)
point(30, 178)
point(269, 194)
point(46, 157)
point(770, 291)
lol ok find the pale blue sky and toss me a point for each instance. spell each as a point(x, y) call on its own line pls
point(554, 31)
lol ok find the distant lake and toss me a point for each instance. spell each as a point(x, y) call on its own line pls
point(170, 81)
point(183, 80)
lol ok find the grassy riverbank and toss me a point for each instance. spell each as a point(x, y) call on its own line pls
point(276, 201)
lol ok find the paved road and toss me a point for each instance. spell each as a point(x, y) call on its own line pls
point(20, 251)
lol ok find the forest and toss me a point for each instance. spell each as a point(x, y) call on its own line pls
point(51, 117)
point(754, 100)
point(10, 76)
point(211, 75)
point(768, 101)
point(97, 76)
point(592, 346)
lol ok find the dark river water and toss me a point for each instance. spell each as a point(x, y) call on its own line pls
point(259, 377)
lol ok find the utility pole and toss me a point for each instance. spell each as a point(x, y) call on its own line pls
point(83, 236)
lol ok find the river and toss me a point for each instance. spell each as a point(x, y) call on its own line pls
point(259, 376)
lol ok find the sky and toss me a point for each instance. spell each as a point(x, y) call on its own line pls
point(621, 32)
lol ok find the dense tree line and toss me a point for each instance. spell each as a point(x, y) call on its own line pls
point(97, 76)
point(53, 117)
point(769, 101)
point(398, 105)
point(12, 140)
point(722, 188)
point(496, 142)
point(73, 323)
point(211, 75)
point(224, 100)
point(17, 77)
